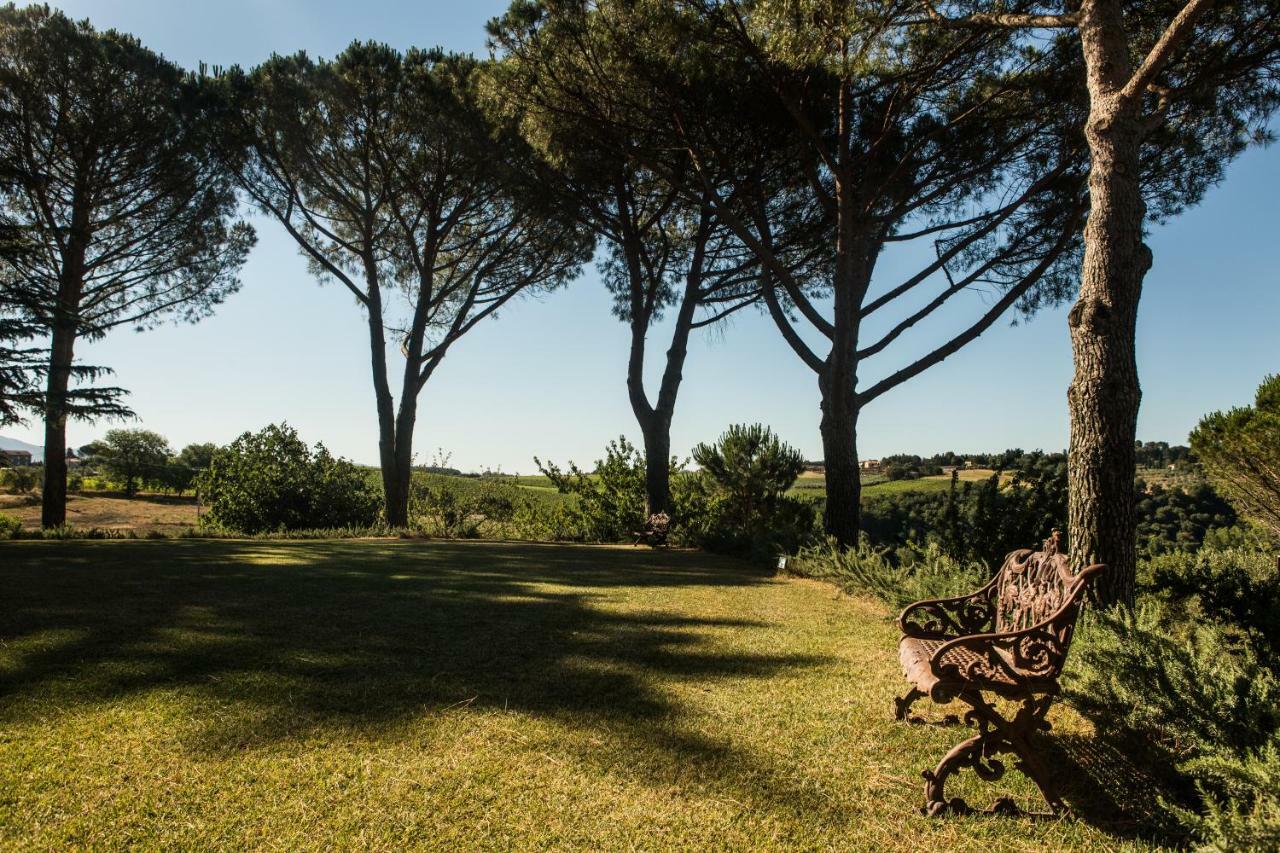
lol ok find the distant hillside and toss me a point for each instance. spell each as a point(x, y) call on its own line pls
point(37, 452)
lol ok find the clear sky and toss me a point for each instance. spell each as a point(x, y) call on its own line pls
point(547, 377)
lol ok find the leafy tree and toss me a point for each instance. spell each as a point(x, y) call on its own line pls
point(109, 174)
point(1175, 90)
point(132, 457)
point(851, 128)
point(396, 185)
point(1240, 451)
point(270, 480)
point(1179, 519)
point(197, 457)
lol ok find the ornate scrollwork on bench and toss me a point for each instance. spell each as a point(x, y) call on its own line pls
point(1010, 639)
point(949, 617)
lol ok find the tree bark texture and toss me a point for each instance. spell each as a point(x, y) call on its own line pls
point(53, 509)
point(1104, 395)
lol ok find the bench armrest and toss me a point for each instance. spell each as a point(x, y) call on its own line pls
point(943, 618)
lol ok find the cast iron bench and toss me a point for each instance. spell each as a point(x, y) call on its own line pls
point(655, 532)
point(1008, 639)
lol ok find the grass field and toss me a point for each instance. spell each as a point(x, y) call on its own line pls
point(381, 694)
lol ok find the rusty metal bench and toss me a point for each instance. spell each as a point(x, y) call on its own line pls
point(1008, 640)
point(656, 530)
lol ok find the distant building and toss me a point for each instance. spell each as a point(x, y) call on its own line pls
point(72, 460)
point(17, 458)
point(870, 466)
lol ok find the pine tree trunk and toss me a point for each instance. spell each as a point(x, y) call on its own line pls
point(394, 492)
point(53, 512)
point(657, 465)
point(1105, 394)
point(402, 465)
point(839, 429)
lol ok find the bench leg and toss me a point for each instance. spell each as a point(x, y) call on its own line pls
point(995, 736)
point(902, 704)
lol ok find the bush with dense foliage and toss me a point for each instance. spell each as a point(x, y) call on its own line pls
point(735, 505)
point(19, 481)
point(745, 476)
point(271, 480)
point(609, 503)
point(1240, 452)
point(898, 579)
point(10, 527)
point(1188, 685)
point(487, 507)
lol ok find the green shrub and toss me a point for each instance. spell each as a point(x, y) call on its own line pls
point(738, 502)
point(1188, 698)
point(465, 509)
point(897, 580)
point(541, 521)
point(1238, 588)
point(1180, 686)
point(20, 481)
point(271, 480)
point(1241, 800)
point(10, 527)
point(610, 501)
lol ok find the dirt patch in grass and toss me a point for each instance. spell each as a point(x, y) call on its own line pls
point(111, 511)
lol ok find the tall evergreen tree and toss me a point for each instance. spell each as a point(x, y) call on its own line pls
point(852, 119)
point(1175, 89)
point(107, 150)
point(395, 184)
point(665, 252)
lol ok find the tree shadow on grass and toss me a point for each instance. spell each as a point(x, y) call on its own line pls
point(310, 639)
point(1106, 787)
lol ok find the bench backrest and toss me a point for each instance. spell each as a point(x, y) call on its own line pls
point(1032, 585)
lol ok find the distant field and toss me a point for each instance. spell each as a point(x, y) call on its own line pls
point(813, 485)
point(535, 487)
point(152, 513)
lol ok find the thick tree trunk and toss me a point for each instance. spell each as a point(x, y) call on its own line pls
point(402, 465)
point(395, 492)
point(53, 512)
point(1105, 394)
point(838, 380)
point(839, 429)
point(657, 464)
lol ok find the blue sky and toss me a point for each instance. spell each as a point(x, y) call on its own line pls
point(547, 377)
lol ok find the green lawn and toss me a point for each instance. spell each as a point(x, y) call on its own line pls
point(383, 694)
